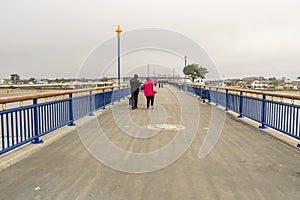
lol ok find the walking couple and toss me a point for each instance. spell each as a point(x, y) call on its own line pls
point(149, 88)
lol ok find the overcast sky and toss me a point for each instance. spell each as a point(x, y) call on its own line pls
point(52, 38)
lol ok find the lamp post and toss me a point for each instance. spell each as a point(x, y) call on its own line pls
point(173, 74)
point(148, 71)
point(119, 31)
point(185, 59)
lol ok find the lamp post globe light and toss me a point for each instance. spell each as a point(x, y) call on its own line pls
point(119, 31)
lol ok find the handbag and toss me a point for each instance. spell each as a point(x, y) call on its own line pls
point(154, 88)
point(130, 101)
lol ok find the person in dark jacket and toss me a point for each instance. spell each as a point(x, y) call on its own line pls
point(135, 89)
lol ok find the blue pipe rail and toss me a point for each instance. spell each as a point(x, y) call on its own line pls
point(24, 124)
point(279, 115)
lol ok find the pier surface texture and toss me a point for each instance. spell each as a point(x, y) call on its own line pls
point(245, 163)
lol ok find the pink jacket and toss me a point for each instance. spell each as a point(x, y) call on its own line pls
point(148, 87)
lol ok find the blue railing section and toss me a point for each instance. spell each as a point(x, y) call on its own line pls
point(25, 124)
point(281, 116)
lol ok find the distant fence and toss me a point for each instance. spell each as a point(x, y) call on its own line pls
point(278, 111)
point(27, 123)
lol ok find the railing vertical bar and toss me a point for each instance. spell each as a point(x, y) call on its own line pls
point(7, 130)
point(66, 110)
point(283, 118)
point(17, 122)
point(297, 132)
point(48, 117)
point(55, 114)
point(2, 132)
point(21, 124)
point(12, 128)
point(29, 121)
point(103, 91)
point(274, 114)
point(287, 124)
point(44, 119)
point(59, 113)
point(290, 128)
point(293, 122)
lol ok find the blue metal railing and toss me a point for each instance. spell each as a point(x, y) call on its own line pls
point(24, 124)
point(279, 115)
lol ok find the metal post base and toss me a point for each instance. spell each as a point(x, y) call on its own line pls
point(240, 116)
point(71, 124)
point(37, 141)
point(262, 127)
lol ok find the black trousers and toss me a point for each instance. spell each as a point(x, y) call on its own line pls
point(150, 99)
point(134, 98)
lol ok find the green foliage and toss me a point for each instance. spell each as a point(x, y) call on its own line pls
point(194, 71)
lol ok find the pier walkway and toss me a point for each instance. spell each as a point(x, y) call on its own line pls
point(244, 162)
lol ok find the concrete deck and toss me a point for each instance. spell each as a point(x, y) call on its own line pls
point(245, 163)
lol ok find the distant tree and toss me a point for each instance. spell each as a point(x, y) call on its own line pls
point(194, 71)
point(298, 77)
point(32, 80)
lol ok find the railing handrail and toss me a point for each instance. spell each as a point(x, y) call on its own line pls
point(4, 100)
point(24, 123)
point(289, 96)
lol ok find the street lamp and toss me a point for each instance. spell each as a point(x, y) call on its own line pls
point(173, 74)
point(185, 59)
point(119, 31)
point(148, 71)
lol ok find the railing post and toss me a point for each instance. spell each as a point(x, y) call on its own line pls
point(119, 95)
point(208, 94)
point(217, 97)
point(71, 115)
point(112, 101)
point(36, 122)
point(226, 100)
point(104, 99)
point(91, 103)
point(263, 113)
point(241, 105)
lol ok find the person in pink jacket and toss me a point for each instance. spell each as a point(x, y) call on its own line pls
point(148, 91)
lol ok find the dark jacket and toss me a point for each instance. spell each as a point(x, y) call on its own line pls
point(134, 84)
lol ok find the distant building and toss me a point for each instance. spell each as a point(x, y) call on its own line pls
point(296, 83)
point(15, 78)
point(259, 84)
point(292, 84)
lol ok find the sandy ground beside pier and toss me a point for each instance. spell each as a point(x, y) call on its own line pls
point(20, 92)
